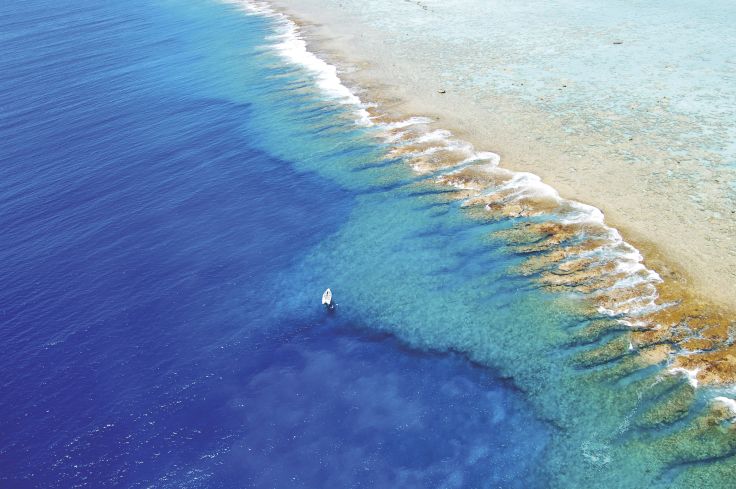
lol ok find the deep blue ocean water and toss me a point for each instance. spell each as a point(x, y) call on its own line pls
point(175, 196)
point(167, 193)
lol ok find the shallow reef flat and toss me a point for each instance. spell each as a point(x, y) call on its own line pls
point(634, 366)
point(627, 108)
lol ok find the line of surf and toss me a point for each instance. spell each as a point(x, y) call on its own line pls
point(597, 262)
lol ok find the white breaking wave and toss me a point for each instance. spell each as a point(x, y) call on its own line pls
point(729, 403)
point(691, 375)
point(289, 44)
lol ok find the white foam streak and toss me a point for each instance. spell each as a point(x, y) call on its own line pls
point(438, 135)
point(290, 45)
point(411, 121)
point(692, 375)
point(492, 158)
point(729, 403)
point(583, 214)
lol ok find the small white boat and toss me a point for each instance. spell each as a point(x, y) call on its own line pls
point(327, 298)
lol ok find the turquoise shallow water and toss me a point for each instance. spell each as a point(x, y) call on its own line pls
point(178, 195)
point(410, 260)
point(576, 91)
point(165, 181)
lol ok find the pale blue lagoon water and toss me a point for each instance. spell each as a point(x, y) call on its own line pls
point(175, 196)
point(664, 70)
point(576, 90)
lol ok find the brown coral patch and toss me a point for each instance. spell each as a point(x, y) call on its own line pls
point(442, 158)
point(654, 354)
point(478, 177)
point(715, 367)
point(668, 322)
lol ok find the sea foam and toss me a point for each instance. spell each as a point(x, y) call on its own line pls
point(575, 250)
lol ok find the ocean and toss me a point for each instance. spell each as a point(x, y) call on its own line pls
point(181, 180)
